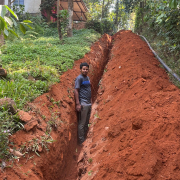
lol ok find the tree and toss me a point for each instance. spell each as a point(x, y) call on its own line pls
point(58, 20)
point(116, 12)
point(1, 34)
point(70, 22)
point(47, 5)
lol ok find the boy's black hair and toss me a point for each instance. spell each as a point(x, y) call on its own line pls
point(84, 64)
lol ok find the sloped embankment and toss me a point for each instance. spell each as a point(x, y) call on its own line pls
point(54, 112)
point(136, 127)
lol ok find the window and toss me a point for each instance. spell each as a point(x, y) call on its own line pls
point(18, 2)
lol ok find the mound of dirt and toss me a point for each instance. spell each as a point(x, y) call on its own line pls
point(136, 128)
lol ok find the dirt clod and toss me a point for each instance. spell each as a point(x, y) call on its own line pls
point(9, 104)
point(24, 116)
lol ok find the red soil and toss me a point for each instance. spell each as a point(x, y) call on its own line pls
point(137, 134)
point(135, 129)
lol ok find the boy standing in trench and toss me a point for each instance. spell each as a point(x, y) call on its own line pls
point(83, 101)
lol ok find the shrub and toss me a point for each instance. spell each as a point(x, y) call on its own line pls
point(104, 26)
point(107, 26)
point(96, 25)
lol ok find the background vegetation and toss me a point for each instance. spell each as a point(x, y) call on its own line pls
point(159, 22)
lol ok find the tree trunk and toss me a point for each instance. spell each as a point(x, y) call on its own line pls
point(48, 12)
point(9, 5)
point(117, 12)
point(102, 15)
point(70, 23)
point(142, 15)
point(58, 20)
point(1, 2)
point(1, 34)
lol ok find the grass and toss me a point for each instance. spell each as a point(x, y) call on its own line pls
point(33, 65)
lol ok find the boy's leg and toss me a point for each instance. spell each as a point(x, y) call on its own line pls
point(81, 123)
point(87, 120)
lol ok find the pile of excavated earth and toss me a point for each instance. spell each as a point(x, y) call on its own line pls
point(134, 131)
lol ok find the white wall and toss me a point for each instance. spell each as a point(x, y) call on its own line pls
point(31, 6)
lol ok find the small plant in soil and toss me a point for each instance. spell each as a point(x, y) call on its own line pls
point(8, 124)
point(48, 97)
point(57, 103)
point(90, 173)
point(52, 100)
point(44, 117)
point(90, 160)
point(96, 115)
point(51, 125)
point(36, 144)
point(69, 90)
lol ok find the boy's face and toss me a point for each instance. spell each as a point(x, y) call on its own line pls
point(84, 70)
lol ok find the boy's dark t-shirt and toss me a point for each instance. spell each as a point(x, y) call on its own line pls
point(83, 84)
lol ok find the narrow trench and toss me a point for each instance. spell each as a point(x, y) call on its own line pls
point(70, 171)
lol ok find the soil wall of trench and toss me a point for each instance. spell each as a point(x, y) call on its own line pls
point(135, 125)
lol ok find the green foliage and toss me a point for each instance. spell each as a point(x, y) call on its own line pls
point(96, 25)
point(90, 160)
point(161, 26)
point(107, 26)
point(63, 17)
point(105, 17)
point(104, 26)
point(4, 141)
point(174, 3)
point(130, 5)
point(8, 125)
point(7, 23)
point(19, 10)
point(95, 11)
point(47, 4)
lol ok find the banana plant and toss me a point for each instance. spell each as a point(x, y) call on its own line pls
point(174, 3)
point(7, 24)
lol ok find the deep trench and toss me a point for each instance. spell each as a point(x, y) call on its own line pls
point(69, 171)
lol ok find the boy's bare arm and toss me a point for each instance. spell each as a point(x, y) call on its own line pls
point(76, 94)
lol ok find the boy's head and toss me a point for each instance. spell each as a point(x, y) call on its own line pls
point(84, 64)
point(84, 68)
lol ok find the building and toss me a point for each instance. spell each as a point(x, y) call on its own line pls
point(31, 6)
